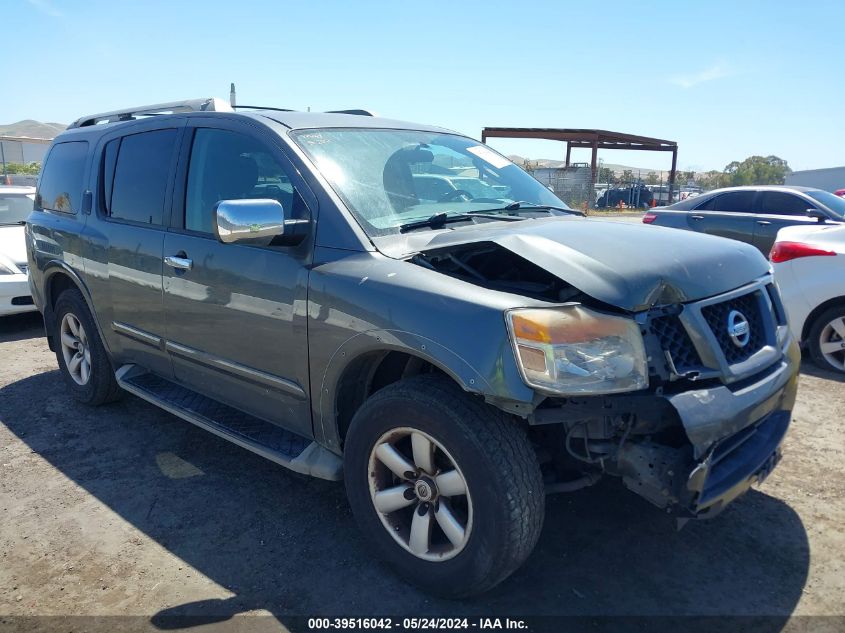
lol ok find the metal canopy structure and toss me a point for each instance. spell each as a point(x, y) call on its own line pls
point(590, 139)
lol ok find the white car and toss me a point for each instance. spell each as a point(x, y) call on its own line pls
point(809, 263)
point(15, 206)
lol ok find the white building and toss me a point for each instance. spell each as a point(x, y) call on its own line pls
point(829, 179)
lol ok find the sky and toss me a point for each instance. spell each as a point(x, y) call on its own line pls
point(726, 80)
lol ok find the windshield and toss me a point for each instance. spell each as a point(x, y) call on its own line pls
point(832, 202)
point(388, 178)
point(14, 209)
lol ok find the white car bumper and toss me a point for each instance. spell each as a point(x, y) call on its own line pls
point(15, 295)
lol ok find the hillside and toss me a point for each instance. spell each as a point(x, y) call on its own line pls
point(32, 129)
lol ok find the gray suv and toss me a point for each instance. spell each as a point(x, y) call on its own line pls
point(274, 278)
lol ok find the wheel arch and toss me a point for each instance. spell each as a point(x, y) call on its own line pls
point(818, 311)
point(372, 360)
point(58, 277)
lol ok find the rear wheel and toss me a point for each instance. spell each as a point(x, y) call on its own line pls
point(446, 488)
point(826, 339)
point(80, 353)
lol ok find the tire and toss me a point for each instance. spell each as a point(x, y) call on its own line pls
point(501, 510)
point(97, 385)
point(822, 332)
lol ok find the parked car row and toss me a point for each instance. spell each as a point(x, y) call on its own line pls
point(801, 230)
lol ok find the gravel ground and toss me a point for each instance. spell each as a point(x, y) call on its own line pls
point(127, 510)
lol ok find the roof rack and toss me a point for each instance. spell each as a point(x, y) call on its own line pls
point(212, 104)
point(356, 111)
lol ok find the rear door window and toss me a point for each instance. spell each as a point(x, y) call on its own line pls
point(60, 188)
point(781, 203)
point(734, 202)
point(141, 174)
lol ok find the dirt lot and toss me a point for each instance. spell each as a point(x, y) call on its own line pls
point(126, 509)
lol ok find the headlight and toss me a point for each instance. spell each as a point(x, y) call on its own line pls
point(573, 350)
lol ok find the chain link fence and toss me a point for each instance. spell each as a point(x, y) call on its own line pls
point(628, 190)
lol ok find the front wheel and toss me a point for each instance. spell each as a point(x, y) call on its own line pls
point(446, 488)
point(826, 339)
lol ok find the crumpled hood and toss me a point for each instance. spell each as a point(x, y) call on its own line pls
point(13, 243)
point(630, 266)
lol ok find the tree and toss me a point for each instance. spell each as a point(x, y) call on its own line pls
point(30, 169)
point(757, 170)
point(651, 178)
point(683, 177)
point(712, 180)
point(754, 170)
point(605, 174)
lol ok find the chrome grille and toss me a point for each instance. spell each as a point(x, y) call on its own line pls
point(696, 336)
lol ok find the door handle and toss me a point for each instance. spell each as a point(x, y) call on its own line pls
point(697, 217)
point(763, 222)
point(180, 263)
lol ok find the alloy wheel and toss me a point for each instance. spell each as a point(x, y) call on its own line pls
point(75, 349)
point(832, 343)
point(420, 494)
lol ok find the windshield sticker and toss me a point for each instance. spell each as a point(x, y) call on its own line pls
point(488, 155)
point(314, 138)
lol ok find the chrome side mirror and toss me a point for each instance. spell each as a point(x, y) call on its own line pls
point(249, 221)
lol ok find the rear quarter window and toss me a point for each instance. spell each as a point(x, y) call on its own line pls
point(685, 205)
point(734, 202)
point(60, 187)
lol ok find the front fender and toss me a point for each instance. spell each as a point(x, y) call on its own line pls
point(494, 388)
point(377, 340)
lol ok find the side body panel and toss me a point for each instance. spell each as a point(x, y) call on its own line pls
point(712, 221)
point(806, 283)
point(366, 302)
point(124, 270)
point(55, 246)
point(236, 321)
point(769, 222)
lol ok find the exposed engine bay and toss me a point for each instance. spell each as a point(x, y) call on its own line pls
point(490, 265)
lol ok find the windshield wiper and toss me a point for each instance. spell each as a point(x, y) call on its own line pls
point(515, 207)
point(439, 220)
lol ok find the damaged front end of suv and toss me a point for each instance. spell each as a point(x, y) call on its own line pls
point(676, 377)
point(532, 348)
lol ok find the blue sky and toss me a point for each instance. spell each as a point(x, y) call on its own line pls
point(724, 79)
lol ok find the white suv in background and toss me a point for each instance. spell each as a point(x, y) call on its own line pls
point(809, 264)
point(15, 206)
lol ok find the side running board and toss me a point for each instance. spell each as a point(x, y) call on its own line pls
point(268, 440)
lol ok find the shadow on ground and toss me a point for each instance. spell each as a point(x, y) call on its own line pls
point(809, 368)
point(19, 327)
point(289, 545)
